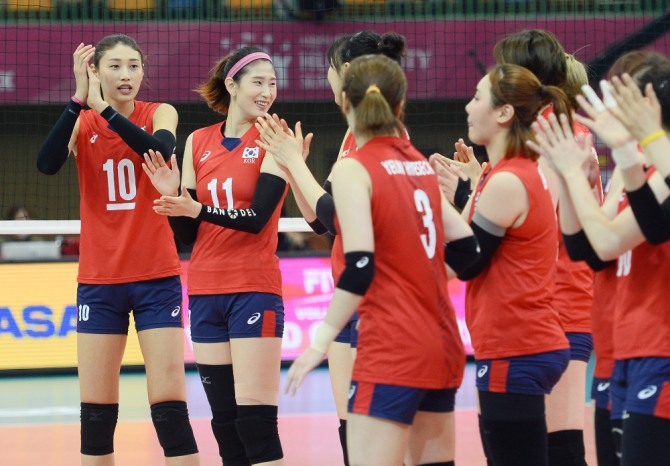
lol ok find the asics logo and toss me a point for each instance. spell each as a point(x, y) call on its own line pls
point(205, 154)
point(254, 318)
point(176, 311)
point(482, 371)
point(93, 138)
point(352, 390)
point(647, 392)
point(602, 386)
point(362, 262)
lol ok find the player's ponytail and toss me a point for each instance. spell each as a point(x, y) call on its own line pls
point(375, 86)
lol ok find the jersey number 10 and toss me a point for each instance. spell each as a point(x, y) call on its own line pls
point(121, 184)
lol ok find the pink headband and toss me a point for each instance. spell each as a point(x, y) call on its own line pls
point(246, 60)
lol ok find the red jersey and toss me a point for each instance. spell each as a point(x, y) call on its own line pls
point(642, 316)
point(225, 260)
point(408, 334)
point(122, 239)
point(573, 295)
point(509, 309)
point(337, 252)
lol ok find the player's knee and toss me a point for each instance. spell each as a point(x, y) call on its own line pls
point(173, 428)
point(257, 428)
point(98, 422)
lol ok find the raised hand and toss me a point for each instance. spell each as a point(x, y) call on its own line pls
point(555, 141)
point(164, 178)
point(178, 206)
point(601, 118)
point(642, 115)
point(464, 158)
point(81, 57)
point(94, 99)
point(447, 175)
point(302, 366)
point(285, 145)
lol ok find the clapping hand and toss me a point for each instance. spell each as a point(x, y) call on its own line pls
point(164, 178)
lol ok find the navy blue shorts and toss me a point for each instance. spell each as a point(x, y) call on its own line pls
point(641, 386)
point(525, 375)
point(581, 346)
point(105, 309)
point(398, 403)
point(220, 317)
point(349, 333)
point(600, 393)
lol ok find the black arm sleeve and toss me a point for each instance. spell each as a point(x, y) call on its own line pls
point(488, 244)
point(462, 194)
point(185, 228)
point(579, 248)
point(54, 151)
point(269, 192)
point(325, 212)
point(653, 221)
point(462, 253)
point(137, 139)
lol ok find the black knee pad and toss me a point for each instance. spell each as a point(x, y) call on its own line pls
point(173, 428)
point(342, 431)
point(444, 463)
point(646, 440)
point(257, 428)
point(566, 448)
point(98, 423)
point(219, 385)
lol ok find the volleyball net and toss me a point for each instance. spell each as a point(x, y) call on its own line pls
point(449, 48)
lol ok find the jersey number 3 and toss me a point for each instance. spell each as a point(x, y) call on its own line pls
point(422, 204)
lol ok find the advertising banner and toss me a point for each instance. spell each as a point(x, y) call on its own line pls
point(38, 312)
point(445, 58)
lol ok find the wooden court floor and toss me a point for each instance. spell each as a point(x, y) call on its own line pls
point(39, 424)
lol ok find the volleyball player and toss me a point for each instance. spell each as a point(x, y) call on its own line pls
point(519, 345)
point(641, 376)
point(644, 118)
point(230, 204)
point(393, 224)
point(128, 259)
point(316, 202)
point(540, 52)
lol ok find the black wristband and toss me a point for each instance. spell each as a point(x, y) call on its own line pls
point(649, 215)
point(463, 193)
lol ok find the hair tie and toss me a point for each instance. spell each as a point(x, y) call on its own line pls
point(373, 89)
point(543, 90)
